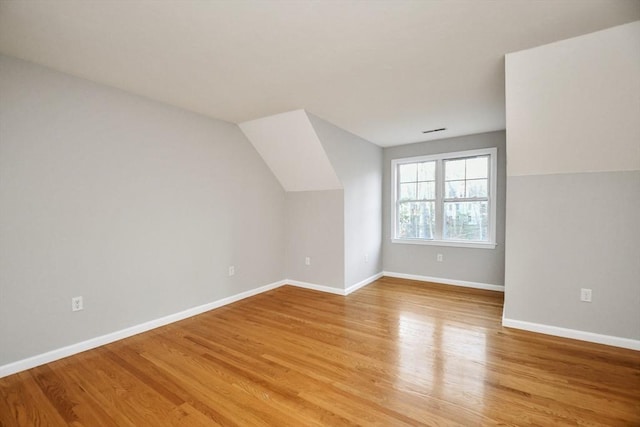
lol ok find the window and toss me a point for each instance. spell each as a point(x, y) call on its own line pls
point(445, 199)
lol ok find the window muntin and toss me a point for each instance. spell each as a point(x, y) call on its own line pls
point(445, 199)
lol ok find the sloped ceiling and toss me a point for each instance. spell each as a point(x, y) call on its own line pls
point(289, 145)
point(383, 70)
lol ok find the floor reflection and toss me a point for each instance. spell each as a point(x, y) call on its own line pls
point(425, 344)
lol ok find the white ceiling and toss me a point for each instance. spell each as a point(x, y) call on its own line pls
point(384, 70)
point(289, 145)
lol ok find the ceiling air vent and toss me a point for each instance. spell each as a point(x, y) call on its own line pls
point(434, 130)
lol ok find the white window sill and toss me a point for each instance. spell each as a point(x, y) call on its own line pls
point(459, 244)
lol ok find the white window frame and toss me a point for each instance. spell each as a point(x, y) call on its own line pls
point(439, 159)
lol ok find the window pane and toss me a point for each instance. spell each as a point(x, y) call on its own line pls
point(427, 171)
point(454, 189)
point(466, 221)
point(457, 188)
point(478, 167)
point(408, 191)
point(416, 220)
point(408, 172)
point(454, 169)
point(426, 190)
point(477, 188)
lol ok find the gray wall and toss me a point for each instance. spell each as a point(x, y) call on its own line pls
point(358, 164)
point(573, 198)
point(572, 231)
point(314, 228)
point(137, 206)
point(466, 264)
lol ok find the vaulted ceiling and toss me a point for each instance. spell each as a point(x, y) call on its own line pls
point(384, 70)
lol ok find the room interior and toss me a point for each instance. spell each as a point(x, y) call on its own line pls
point(162, 161)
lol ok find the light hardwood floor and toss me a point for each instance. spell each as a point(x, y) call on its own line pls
point(394, 353)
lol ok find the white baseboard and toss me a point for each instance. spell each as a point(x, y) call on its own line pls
point(315, 287)
point(572, 333)
point(362, 283)
point(53, 355)
point(463, 283)
point(332, 290)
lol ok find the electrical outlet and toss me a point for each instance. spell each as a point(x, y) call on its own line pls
point(439, 257)
point(307, 260)
point(77, 304)
point(585, 295)
point(232, 270)
point(366, 257)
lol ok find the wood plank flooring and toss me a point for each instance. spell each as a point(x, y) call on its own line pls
point(396, 353)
